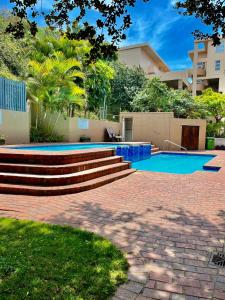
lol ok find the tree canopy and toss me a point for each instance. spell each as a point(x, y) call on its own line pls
point(13, 53)
point(113, 20)
point(53, 83)
point(210, 12)
point(62, 80)
point(182, 104)
point(156, 96)
point(98, 85)
point(212, 103)
point(92, 78)
point(126, 83)
point(58, 72)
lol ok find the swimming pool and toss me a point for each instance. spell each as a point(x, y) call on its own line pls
point(175, 163)
point(130, 152)
point(140, 156)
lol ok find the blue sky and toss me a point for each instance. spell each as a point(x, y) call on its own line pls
point(159, 24)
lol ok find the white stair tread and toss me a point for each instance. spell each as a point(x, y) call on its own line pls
point(90, 182)
point(77, 174)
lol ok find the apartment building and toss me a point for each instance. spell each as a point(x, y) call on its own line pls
point(145, 56)
point(208, 68)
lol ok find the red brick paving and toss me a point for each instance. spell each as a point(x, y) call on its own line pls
point(167, 224)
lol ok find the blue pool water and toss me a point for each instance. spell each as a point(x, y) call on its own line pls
point(129, 152)
point(140, 156)
point(67, 147)
point(174, 163)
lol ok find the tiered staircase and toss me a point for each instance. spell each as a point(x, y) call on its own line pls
point(45, 174)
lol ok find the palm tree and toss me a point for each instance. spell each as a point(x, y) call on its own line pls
point(50, 46)
point(52, 85)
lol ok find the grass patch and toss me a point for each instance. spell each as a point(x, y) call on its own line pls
point(41, 261)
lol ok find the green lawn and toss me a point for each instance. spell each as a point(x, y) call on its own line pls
point(41, 261)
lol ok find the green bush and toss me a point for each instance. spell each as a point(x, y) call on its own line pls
point(156, 96)
point(42, 135)
point(216, 130)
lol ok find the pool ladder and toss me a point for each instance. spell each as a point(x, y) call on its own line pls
point(172, 143)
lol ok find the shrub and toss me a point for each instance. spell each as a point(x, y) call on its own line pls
point(216, 130)
point(42, 135)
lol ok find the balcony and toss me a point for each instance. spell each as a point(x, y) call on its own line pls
point(202, 53)
point(200, 72)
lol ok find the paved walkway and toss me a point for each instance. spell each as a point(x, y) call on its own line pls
point(167, 224)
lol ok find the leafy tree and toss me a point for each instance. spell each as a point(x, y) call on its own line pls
point(98, 85)
point(182, 104)
point(126, 84)
point(51, 85)
point(113, 20)
point(47, 42)
point(154, 97)
point(13, 53)
point(210, 12)
point(212, 103)
point(98, 74)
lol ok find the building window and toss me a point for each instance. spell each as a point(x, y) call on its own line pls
point(217, 65)
point(83, 123)
point(201, 65)
point(220, 48)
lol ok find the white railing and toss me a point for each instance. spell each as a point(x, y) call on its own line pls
point(172, 143)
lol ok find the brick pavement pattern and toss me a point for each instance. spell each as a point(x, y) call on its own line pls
point(168, 226)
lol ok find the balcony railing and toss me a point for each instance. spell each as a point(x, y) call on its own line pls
point(200, 72)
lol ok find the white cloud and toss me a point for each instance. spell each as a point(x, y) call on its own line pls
point(158, 37)
point(153, 29)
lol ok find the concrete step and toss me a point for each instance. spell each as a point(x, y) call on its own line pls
point(52, 158)
point(58, 169)
point(7, 188)
point(64, 179)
